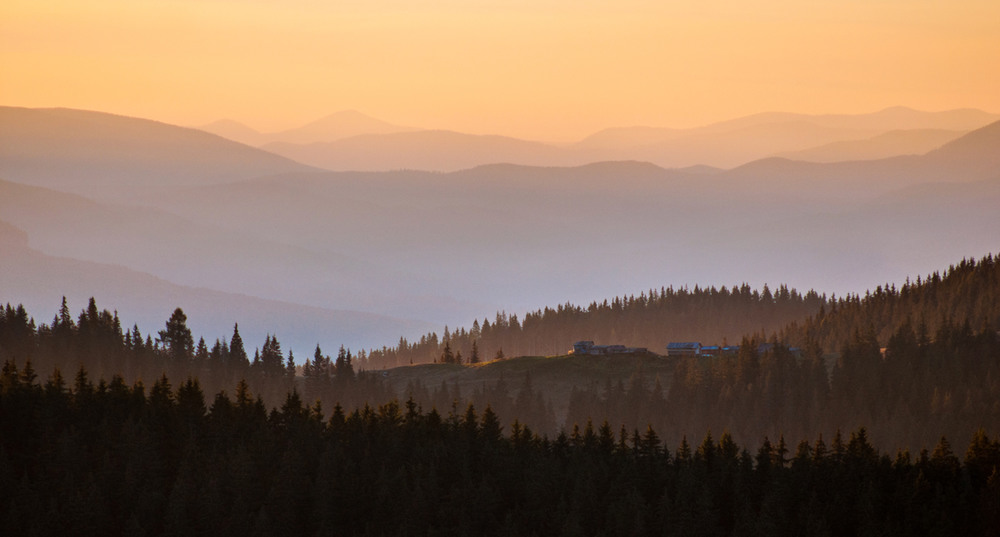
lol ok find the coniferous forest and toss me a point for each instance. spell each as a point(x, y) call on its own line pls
point(874, 414)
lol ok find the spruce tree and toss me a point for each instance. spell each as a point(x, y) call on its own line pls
point(237, 353)
point(176, 338)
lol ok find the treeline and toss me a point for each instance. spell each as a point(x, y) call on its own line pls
point(908, 393)
point(968, 292)
point(652, 319)
point(113, 459)
point(96, 343)
point(937, 371)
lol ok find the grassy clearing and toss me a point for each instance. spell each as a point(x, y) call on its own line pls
point(554, 376)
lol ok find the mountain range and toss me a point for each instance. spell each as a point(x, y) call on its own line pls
point(350, 141)
point(208, 215)
point(343, 124)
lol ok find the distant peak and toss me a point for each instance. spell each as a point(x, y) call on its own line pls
point(898, 108)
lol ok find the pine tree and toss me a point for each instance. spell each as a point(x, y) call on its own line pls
point(342, 368)
point(446, 356)
point(474, 356)
point(237, 353)
point(176, 338)
point(290, 365)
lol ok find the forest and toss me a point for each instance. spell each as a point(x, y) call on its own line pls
point(110, 459)
point(838, 422)
point(967, 291)
point(910, 363)
point(651, 320)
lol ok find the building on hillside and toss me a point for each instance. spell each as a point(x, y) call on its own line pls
point(683, 348)
point(688, 348)
point(711, 350)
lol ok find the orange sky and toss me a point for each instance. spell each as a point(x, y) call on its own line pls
point(542, 69)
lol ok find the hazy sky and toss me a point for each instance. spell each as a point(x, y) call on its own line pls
point(544, 69)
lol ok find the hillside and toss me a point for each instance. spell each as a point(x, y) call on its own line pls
point(235, 131)
point(966, 295)
point(969, 158)
point(104, 155)
point(922, 380)
point(714, 316)
point(39, 281)
point(555, 376)
point(887, 119)
point(911, 360)
point(885, 145)
point(336, 126)
point(186, 252)
point(432, 150)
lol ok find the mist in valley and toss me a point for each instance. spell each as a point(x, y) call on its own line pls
point(426, 249)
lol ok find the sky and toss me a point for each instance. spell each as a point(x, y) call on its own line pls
point(540, 69)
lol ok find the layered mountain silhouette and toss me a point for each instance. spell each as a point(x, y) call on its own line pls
point(971, 157)
point(889, 144)
point(378, 146)
point(445, 247)
point(226, 256)
point(422, 150)
point(503, 231)
point(336, 126)
point(39, 281)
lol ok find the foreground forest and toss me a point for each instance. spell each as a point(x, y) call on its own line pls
point(109, 459)
point(881, 419)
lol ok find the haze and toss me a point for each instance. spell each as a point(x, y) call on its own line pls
point(544, 70)
point(354, 172)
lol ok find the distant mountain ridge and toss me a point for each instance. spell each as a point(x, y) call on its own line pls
point(446, 246)
point(887, 144)
point(94, 152)
point(724, 144)
point(336, 126)
point(431, 150)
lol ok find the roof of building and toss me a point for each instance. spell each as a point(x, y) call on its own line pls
point(684, 345)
